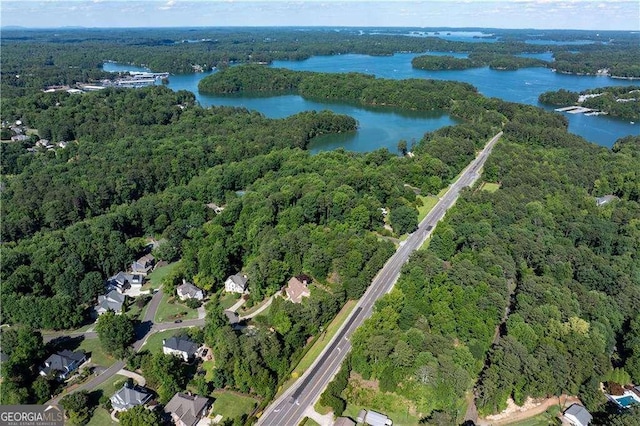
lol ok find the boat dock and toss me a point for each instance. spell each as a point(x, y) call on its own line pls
point(575, 109)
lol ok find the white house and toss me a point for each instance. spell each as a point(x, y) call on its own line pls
point(179, 346)
point(186, 409)
point(236, 284)
point(130, 396)
point(577, 415)
point(189, 291)
point(62, 364)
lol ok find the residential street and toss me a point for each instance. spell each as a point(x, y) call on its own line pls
point(290, 407)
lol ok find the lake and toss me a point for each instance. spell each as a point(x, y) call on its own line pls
point(523, 86)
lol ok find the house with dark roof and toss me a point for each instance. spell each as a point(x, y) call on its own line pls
point(130, 396)
point(189, 291)
point(577, 415)
point(180, 346)
point(187, 410)
point(111, 301)
point(297, 288)
point(344, 421)
point(236, 284)
point(123, 281)
point(62, 364)
point(144, 265)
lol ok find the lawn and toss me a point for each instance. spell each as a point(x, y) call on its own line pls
point(490, 187)
point(154, 341)
point(231, 404)
point(98, 356)
point(171, 311)
point(209, 367)
point(549, 417)
point(428, 203)
point(110, 387)
point(308, 421)
point(395, 411)
point(101, 417)
point(228, 300)
point(155, 278)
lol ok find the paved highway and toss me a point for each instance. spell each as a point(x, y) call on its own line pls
point(288, 409)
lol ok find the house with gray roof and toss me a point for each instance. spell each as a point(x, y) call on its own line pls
point(189, 291)
point(144, 265)
point(62, 364)
point(130, 396)
point(187, 410)
point(577, 415)
point(236, 284)
point(111, 301)
point(180, 346)
point(123, 281)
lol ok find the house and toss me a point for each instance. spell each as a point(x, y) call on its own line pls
point(373, 418)
point(216, 208)
point(189, 291)
point(180, 346)
point(601, 201)
point(123, 281)
point(130, 396)
point(236, 284)
point(144, 265)
point(578, 415)
point(187, 410)
point(63, 364)
point(344, 421)
point(19, 138)
point(112, 301)
point(297, 288)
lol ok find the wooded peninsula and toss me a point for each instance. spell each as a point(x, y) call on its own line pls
point(530, 286)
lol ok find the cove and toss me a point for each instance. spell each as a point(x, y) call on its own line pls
point(379, 127)
point(522, 86)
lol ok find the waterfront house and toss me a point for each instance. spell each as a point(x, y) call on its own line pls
point(180, 346)
point(236, 284)
point(62, 364)
point(186, 409)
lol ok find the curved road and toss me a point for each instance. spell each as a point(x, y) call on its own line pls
point(289, 408)
point(143, 331)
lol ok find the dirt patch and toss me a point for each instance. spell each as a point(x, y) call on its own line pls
point(531, 407)
point(362, 383)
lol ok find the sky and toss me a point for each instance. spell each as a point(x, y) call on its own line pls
point(540, 14)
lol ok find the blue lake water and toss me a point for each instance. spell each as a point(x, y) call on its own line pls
point(384, 127)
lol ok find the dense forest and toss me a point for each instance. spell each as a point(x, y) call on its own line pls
point(494, 61)
point(69, 56)
point(623, 102)
point(564, 269)
point(531, 290)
